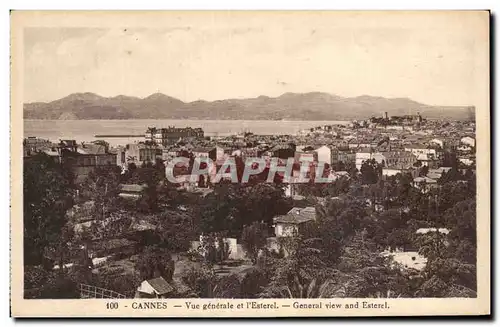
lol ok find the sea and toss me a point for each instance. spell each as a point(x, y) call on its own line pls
point(86, 130)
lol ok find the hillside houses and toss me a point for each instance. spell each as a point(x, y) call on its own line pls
point(83, 158)
point(389, 159)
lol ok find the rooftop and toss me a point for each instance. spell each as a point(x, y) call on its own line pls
point(160, 285)
point(427, 230)
point(132, 188)
point(202, 149)
point(297, 216)
point(424, 179)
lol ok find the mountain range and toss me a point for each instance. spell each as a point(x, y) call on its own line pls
point(288, 106)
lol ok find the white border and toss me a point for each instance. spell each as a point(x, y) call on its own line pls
point(186, 4)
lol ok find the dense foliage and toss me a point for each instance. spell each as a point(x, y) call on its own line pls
point(336, 255)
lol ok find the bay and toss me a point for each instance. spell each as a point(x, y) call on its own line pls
point(85, 130)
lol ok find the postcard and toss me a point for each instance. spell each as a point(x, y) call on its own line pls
point(250, 163)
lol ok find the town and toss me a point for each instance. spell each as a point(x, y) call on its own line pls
point(394, 217)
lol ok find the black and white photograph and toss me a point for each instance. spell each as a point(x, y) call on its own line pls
point(253, 156)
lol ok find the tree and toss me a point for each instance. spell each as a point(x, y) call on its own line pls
point(450, 159)
point(340, 219)
point(213, 248)
point(148, 201)
point(260, 202)
point(131, 171)
point(370, 172)
point(443, 277)
point(462, 237)
point(175, 229)
point(46, 196)
point(202, 281)
point(232, 206)
point(168, 195)
point(366, 274)
point(451, 266)
point(253, 282)
point(102, 186)
point(299, 269)
point(451, 175)
point(400, 238)
point(253, 239)
point(43, 284)
point(155, 262)
point(116, 279)
point(228, 287)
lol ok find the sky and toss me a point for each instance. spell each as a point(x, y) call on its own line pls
point(437, 59)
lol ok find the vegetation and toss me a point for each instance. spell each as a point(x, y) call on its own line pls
point(155, 262)
point(47, 197)
point(336, 255)
point(254, 239)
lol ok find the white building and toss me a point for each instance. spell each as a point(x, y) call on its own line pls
point(418, 150)
point(466, 161)
point(391, 171)
point(364, 156)
point(424, 184)
point(154, 288)
point(324, 154)
point(290, 224)
point(468, 140)
point(437, 142)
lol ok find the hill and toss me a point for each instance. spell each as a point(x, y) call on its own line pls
point(289, 106)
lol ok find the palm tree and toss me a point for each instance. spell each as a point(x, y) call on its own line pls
point(300, 272)
point(307, 290)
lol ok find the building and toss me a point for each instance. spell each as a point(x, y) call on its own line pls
point(424, 184)
point(437, 141)
point(395, 127)
point(444, 231)
point(80, 158)
point(171, 134)
point(154, 288)
point(131, 191)
point(121, 159)
point(398, 159)
point(392, 161)
point(406, 119)
point(470, 141)
point(367, 154)
point(303, 155)
point(139, 153)
point(344, 156)
point(33, 145)
point(392, 171)
point(437, 172)
point(429, 160)
point(467, 160)
point(214, 153)
point(418, 149)
point(291, 223)
point(283, 151)
point(324, 154)
point(360, 144)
